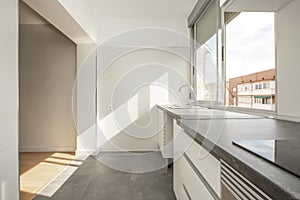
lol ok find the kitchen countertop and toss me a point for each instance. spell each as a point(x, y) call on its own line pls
point(215, 134)
point(205, 113)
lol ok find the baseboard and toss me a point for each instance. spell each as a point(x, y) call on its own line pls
point(46, 149)
point(140, 150)
point(128, 152)
point(84, 152)
point(288, 118)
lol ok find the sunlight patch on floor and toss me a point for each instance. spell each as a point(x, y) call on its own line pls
point(38, 169)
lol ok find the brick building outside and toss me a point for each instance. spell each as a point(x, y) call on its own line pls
point(255, 90)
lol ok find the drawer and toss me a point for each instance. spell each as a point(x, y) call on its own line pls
point(208, 166)
point(182, 141)
point(192, 187)
point(177, 180)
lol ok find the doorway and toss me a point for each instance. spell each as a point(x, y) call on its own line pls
point(47, 71)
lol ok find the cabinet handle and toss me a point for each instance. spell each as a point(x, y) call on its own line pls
point(201, 177)
point(186, 192)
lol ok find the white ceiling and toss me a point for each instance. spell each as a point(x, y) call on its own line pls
point(29, 16)
point(55, 14)
point(140, 9)
point(101, 19)
point(257, 5)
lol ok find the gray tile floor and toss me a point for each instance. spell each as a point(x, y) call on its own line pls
point(95, 181)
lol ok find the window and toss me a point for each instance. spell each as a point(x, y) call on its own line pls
point(267, 85)
point(240, 88)
point(206, 55)
point(264, 85)
point(250, 59)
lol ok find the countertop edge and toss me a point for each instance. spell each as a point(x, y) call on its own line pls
point(248, 172)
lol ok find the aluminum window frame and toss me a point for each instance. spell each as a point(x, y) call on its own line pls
point(219, 57)
point(221, 40)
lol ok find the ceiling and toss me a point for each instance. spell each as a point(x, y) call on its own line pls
point(141, 9)
point(29, 16)
point(101, 19)
point(256, 5)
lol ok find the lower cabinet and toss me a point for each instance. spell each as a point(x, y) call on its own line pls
point(187, 184)
point(165, 136)
point(197, 173)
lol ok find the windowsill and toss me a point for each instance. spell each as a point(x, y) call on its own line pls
point(253, 111)
point(261, 112)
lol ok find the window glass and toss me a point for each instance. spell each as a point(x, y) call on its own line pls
point(206, 54)
point(250, 60)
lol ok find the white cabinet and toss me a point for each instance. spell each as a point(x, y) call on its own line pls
point(187, 184)
point(177, 179)
point(165, 137)
point(196, 176)
point(207, 165)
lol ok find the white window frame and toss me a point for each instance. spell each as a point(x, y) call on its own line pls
point(218, 102)
point(221, 46)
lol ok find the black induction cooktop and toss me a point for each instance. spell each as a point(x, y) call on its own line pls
point(283, 153)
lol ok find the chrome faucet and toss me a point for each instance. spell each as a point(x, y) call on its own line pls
point(192, 90)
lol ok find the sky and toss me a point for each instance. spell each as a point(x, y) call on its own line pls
point(250, 44)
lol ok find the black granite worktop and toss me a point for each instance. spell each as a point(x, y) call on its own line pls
point(216, 129)
point(217, 135)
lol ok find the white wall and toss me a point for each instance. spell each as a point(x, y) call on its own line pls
point(127, 138)
point(110, 27)
point(47, 74)
point(104, 19)
point(132, 85)
point(85, 99)
point(288, 60)
point(9, 180)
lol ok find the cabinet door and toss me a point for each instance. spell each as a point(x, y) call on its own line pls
point(187, 184)
point(180, 190)
point(177, 180)
point(207, 165)
point(181, 141)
